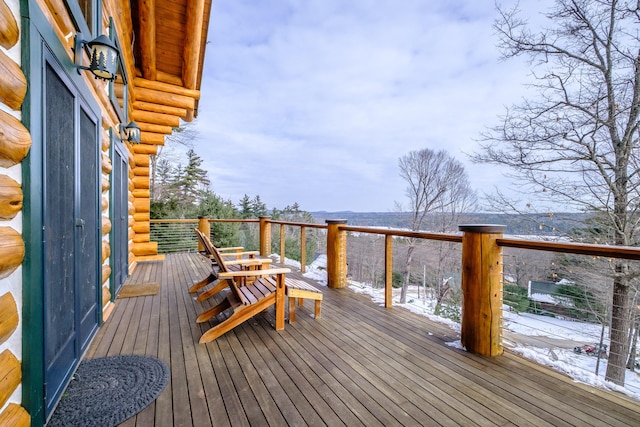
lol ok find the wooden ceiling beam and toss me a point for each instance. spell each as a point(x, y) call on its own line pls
point(169, 78)
point(192, 43)
point(147, 36)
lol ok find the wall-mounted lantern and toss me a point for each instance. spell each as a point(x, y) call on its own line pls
point(104, 56)
point(132, 133)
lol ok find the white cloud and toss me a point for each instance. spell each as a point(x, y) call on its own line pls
point(315, 101)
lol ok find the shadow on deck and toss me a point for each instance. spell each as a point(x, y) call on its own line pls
point(359, 364)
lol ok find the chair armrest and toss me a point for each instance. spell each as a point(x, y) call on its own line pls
point(253, 273)
point(231, 248)
point(250, 261)
point(232, 254)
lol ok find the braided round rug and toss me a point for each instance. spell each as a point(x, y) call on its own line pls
point(105, 392)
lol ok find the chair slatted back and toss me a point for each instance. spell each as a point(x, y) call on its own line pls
point(211, 250)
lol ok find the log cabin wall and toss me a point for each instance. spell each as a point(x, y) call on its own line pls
point(14, 146)
point(164, 70)
point(163, 43)
point(163, 91)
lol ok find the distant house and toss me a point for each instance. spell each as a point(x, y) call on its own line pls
point(542, 291)
point(546, 295)
point(320, 263)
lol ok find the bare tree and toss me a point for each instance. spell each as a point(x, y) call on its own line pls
point(576, 143)
point(436, 183)
point(365, 257)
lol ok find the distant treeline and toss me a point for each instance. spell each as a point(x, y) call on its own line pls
point(550, 224)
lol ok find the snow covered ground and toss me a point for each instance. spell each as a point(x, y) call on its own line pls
point(580, 367)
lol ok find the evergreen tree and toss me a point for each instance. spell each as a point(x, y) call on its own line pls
point(516, 297)
point(178, 190)
point(293, 213)
point(258, 208)
point(194, 182)
point(213, 206)
point(245, 207)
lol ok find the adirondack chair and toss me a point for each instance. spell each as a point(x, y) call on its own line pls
point(236, 252)
point(220, 265)
point(247, 301)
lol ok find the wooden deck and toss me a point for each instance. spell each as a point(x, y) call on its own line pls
point(359, 365)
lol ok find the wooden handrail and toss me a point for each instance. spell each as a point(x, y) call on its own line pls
point(481, 265)
point(455, 238)
point(174, 221)
point(623, 252)
point(299, 224)
point(190, 221)
point(233, 220)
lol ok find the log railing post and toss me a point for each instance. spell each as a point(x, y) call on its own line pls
point(205, 228)
point(388, 270)
point(482, 289)
point(336, 254)
point(265, 236)
point(303, 248)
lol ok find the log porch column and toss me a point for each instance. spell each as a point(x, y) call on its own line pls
point(336, 254)
point(205, 228)
point(482, 289)
point(265, 236)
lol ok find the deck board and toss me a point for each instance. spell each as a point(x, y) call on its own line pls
point(359, 364)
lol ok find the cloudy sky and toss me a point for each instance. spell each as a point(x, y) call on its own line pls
point(314, 101)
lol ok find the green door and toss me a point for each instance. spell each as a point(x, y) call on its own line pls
point(71, 230)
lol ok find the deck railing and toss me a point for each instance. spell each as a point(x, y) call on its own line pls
point(481, 263)
point(174, 235)
point(302, 237)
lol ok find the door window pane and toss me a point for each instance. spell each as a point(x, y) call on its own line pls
point(86, 7)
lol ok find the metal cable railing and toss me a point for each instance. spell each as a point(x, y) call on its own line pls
point(556, 297)
point(174, 235)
